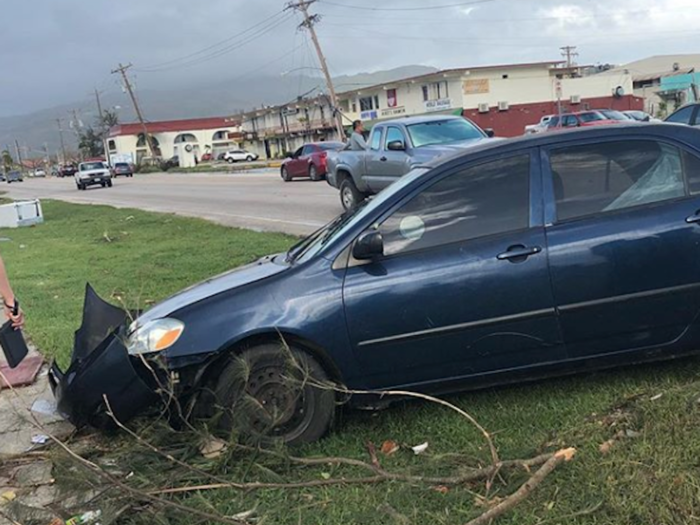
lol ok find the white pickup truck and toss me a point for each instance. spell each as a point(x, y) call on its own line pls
point(539, 127)
point(92, 173)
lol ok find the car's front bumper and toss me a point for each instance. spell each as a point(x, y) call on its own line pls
point(101, 368)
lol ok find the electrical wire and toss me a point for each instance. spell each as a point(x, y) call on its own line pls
point(424, 8)
point(265, 29)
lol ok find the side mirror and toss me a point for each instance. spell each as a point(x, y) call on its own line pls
point(396, 145)
point(368, 246)
point(490, 133)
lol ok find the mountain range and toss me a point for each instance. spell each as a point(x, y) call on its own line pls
point(40, 128)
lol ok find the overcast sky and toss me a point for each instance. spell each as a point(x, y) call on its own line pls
point(58, 51)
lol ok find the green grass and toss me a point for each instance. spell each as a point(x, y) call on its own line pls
point(651, 478)
point(138, 256)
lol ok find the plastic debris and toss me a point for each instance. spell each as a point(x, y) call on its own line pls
point(45, 407)
point(40, 439)
point(89, 517)
point(419, 449)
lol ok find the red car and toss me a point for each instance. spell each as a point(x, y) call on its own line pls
point(578, 120)
point(309, 161)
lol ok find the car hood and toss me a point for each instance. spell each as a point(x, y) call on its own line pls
point(237, 278)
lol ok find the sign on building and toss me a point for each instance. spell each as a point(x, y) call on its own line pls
point(393, 112)
point(368, 115)
point(476, 86)
point(441, 104)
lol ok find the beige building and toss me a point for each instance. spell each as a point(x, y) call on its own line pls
point(126, 142)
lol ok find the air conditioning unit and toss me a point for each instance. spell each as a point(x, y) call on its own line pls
point(503, 106)
point(484, 107)
point(575, 99)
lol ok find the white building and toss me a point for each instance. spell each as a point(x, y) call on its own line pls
point(126, 142)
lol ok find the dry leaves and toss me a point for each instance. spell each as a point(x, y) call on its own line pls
point(389, 447)
point(212, 447)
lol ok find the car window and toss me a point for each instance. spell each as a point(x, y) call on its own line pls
point(376, 139)
point(569, 121)
point(554, 121)
point(691, 168)
point(591, 117)
point(393, 134)
point(307, 150)
point(610, 176)
point(482, 200)
point(297, 153)
point(682, 116)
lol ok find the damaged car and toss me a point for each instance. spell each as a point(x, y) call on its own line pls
point(515, 260)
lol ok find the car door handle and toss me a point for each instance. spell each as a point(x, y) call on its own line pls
point(692, 219)
point(383, 159)
point(518, 252)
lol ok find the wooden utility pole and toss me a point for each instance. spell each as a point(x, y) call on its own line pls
point(63, 145)
point(309, 21)
point(569, 53)
point(127, 84)
point(19, 155)
point(103, 129)
point(99, 105)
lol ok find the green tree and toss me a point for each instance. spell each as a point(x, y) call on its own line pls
point(7, 161)
point(90, 143)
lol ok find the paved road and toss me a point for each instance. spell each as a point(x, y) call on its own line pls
point(257, 200)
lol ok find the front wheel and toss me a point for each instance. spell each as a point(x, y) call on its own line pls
point(230, 160)
point(275, 393)
point(286, 177)
point(350, 196)
point(109, 183)
point(249, 158)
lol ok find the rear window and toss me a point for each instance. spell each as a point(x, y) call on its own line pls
point(121, 165)
point(331, 146)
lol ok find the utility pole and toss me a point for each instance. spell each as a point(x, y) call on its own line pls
point(103, 128)
point(569, 53)
point(99, 105)
point(122, 70)
point(309, 21)
point(19, 155)
point(63, 145)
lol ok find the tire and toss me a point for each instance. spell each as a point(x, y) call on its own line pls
point(350, 196)
point(313, 173)
point(249, 158)
point(103, 184)
point(230, 160)
point(286, 177)
point(78, 186)
point(109, 183)
point(266, 394)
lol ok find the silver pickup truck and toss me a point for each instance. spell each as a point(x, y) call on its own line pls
point(395, 147)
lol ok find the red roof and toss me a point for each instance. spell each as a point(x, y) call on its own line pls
point(195, 124)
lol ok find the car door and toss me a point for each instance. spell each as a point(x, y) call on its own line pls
point(570, 121)
point(391, 164)
point(294, 166)
point(463, 287)
point(623, 244)
point(305, 159)
point(373, 166)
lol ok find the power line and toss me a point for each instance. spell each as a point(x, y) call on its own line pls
point(425, 8)
point(182, 62)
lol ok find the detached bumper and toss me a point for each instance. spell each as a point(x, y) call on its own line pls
point(101, 367)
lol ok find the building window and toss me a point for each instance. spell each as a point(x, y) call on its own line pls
point(435, 91)
point(391, 99)
point(354, 107)
point(112, 145)
point(504, 76)
point(369, 103)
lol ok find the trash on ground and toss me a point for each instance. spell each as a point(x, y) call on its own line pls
point(213, 448)
point(419, 449)
point(40, 439)
point(7, 497)
point(45, 407)
point(89, 517)
point(389, 447)
point(657, 396)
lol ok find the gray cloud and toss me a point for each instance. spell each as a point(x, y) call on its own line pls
point(57, 51)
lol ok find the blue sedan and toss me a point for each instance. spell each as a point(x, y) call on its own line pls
point(516, 260)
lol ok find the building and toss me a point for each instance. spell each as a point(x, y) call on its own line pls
point(126, 142)
point(505, 98)
point(665, 82)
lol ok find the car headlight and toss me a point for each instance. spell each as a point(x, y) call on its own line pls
point(155, 336)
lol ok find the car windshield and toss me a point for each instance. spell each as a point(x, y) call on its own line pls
point(331, 146)
point(311, 245)
point(443, 132)
point(591, 117)
point(91, 166)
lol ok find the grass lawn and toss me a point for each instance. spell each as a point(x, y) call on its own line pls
point(650, 474)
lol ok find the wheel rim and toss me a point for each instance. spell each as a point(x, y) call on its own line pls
point(312, 172)
point(285, 174)
point(348, 198)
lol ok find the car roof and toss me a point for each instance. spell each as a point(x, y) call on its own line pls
point(407, 121)
point(621, 130)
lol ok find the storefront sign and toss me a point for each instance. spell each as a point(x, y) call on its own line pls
point(392, 112)
point(476, 86)
point(441, 104)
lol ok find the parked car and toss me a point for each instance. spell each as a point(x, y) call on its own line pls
point(14, 176)
point(39, 172)
point(172, 162)
point(539, 127)
point(395, 148)
point(309, 161)
point(579, 119)
point(640, 116)
point(67, 170)
point(93, 173)
point(512, 261)
point(613, 114)
point(238, 155)
point(689, 115)
point(206, 157)
point(123, 168)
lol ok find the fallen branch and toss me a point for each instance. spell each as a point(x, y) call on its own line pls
point(526, 488)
